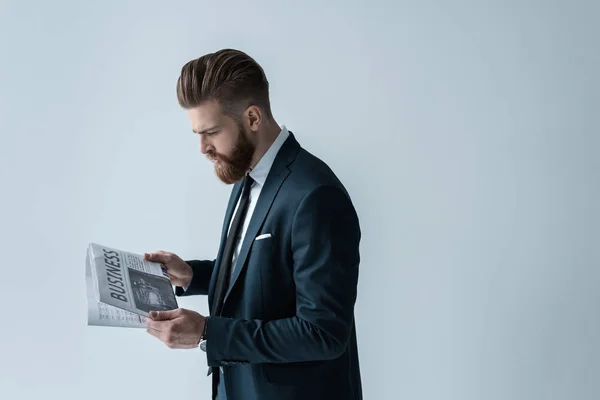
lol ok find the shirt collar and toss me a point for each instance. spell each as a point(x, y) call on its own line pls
point(261, 170)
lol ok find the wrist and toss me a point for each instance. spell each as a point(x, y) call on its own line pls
point(187, 280)
point(186, 283)
point(203, 334)
point(204, 328)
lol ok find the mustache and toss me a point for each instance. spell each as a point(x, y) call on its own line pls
point(211, 155)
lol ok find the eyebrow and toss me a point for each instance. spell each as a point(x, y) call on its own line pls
point(205, 130)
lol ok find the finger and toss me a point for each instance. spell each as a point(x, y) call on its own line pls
point(155, 333)
point(159, 257)
point(159, 326)
point(166, 338)
point(164, 315)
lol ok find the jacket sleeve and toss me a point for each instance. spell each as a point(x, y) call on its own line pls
point(325, 245)
point(200, 279)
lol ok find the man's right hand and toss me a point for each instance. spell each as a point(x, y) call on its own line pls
point(179, 271)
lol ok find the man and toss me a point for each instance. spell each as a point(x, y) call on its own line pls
point(282, 288)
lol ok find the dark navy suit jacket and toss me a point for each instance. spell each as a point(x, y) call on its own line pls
point(287, 329)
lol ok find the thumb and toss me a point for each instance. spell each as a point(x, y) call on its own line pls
point(156, 257)
point(162, 315)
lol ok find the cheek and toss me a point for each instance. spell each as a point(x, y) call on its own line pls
point(221, 149)
point(225, 146)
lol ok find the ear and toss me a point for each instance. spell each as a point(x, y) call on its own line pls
point(253, 117)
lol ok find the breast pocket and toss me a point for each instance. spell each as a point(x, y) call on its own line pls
point(264, 245)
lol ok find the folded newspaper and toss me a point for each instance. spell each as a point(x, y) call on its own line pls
point(122, 287)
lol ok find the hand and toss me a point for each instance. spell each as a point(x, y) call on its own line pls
point(179, 271)
point(178, 329)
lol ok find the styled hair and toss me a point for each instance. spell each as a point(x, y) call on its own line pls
point(230, 77)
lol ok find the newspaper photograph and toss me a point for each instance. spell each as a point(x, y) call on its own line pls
point(122, 287)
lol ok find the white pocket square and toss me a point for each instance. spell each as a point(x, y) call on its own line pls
point(263, 236)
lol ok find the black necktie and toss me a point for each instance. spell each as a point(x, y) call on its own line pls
point(225, 264)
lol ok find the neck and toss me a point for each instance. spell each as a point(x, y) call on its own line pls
point(264, 140)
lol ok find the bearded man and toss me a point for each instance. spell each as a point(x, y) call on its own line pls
point(283, 285)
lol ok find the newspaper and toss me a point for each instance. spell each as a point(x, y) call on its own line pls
point(122, 287)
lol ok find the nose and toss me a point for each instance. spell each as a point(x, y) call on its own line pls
point(203, 144)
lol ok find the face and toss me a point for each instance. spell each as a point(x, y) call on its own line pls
point(223, 140)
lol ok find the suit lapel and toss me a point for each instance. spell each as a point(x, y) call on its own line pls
point(233, 199)
point(279, 172)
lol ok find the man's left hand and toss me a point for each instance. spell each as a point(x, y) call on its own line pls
point(178, 329)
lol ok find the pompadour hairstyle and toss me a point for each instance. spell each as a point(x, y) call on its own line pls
point(230, 77)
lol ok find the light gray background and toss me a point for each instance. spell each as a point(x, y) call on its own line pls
point(466, 132)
